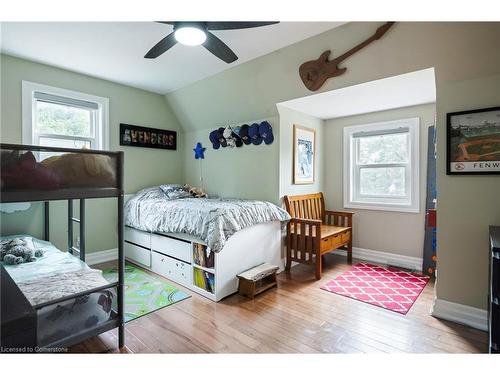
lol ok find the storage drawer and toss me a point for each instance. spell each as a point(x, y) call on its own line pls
point(137, 253)
point(336, 240)
point(138, 237)
point(172, 268)
point(326, 244)
point(172, 247)
point(346, 237)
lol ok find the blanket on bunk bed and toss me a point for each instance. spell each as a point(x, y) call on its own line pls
point(211, 220)
point(55, 275)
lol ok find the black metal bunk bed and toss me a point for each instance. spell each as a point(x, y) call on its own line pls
point(69, 190)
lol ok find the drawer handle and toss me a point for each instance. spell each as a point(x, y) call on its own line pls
point(162, 259)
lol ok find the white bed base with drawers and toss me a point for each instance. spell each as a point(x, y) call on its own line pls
point(172, 255)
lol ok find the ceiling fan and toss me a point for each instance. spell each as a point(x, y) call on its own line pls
point(196, 33)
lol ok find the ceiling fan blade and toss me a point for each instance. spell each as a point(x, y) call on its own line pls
point(236, 25)
point(161, 47)
point(219, 48)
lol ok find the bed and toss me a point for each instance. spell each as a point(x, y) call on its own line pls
point(55, 276)
point(213, 220)
point(71, 301)
point(165, 233)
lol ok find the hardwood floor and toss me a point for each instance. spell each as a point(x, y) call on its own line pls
point(296, 317)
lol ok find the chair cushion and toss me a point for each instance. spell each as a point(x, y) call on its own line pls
point(326, 230)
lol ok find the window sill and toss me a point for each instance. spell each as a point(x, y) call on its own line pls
point(382, 207)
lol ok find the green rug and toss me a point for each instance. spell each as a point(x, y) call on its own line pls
point(144, 292)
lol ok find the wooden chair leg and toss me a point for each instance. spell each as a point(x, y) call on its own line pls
point(349, 252)
point(288, 264)
point(318, 266)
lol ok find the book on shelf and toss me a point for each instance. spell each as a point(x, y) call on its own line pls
point(204, 280)
point(202, 256)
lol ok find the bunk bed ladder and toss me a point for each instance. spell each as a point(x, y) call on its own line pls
point(81, 221)
point(46, 215)
point(121, 258)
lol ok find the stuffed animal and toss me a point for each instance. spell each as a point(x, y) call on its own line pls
point(19, 250)
point(195, 191)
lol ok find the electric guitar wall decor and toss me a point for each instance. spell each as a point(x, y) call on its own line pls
point(314, 73)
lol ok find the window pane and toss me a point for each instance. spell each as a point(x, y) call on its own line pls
point(383, 149)
point(66, 143)
point(63, 120)
point(382, 181)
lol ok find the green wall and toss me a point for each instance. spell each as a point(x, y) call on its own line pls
point(466, 59)
point(406, 229)
point(143, 167)
point(463, 55)
point(289, 118)
point(249, 171)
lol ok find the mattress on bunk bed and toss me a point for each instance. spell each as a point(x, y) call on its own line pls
point(21, 170)
point(59, 274)
point(212, 220)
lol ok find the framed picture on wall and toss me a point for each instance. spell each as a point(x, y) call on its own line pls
point(304, 154)
point(473, 142)
point(140, 136)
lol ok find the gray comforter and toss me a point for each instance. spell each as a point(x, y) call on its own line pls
point(211, 220)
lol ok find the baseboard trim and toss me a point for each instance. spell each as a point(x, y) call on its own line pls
point(101, 256)
point(381, 257)
point(463, 314)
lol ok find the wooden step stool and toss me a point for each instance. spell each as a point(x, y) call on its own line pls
point(257, 279)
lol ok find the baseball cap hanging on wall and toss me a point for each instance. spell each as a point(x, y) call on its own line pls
point(228, 135)
point(254, 134)
point(266, 132)
point(239, 135)
point(221, 138)
point(244, 134)
point(214, 138)
point(236, 136)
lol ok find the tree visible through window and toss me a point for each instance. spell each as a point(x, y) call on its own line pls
point(63, 125)
point(382, 162)
point(382, 165)
point(63, 118)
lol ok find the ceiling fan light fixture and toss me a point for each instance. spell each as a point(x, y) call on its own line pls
point(190, 36)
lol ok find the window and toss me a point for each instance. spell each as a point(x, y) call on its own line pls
point(381, 166)
point(63, 118)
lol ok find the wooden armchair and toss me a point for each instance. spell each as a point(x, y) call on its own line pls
point(314, 231)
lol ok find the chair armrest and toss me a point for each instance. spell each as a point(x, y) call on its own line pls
point(306, 227)
point(339, 213)
point(339, 218)
point(305, 221)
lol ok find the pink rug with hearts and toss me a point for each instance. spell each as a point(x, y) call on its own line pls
point(389, 288)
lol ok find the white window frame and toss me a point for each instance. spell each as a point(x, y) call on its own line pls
point(100, 120)
point(352, 198)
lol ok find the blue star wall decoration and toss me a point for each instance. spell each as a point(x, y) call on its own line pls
point(198, 151)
